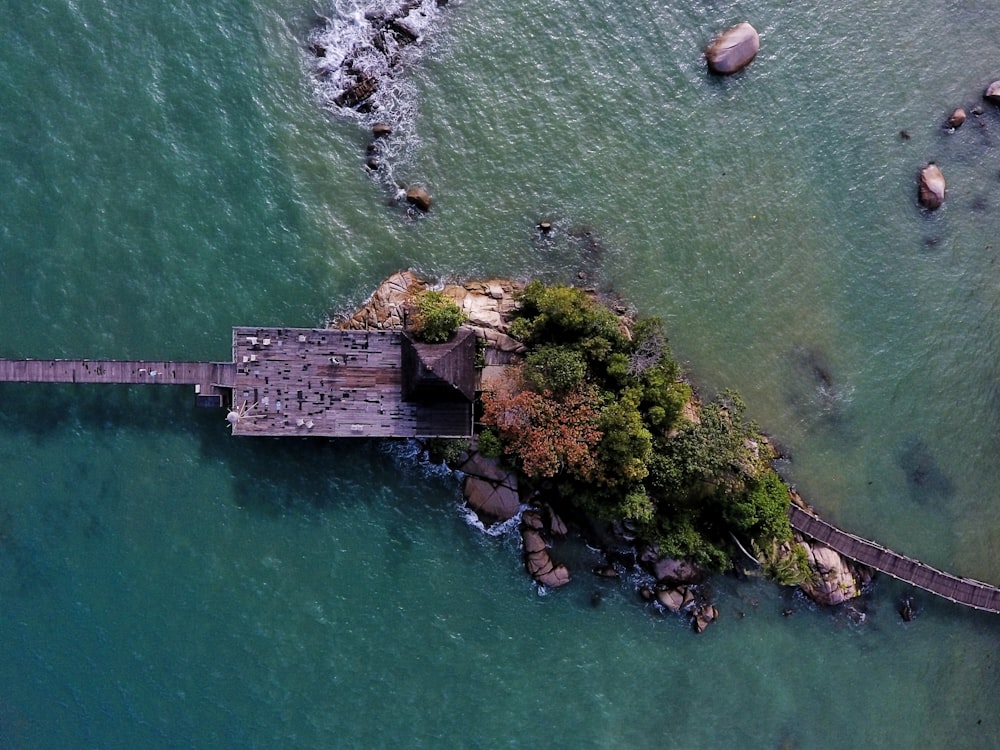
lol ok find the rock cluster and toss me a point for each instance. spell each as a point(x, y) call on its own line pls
point(537, 560)
point(677, 590)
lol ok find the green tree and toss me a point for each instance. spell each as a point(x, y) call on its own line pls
point(435, 316)
point(555, 368)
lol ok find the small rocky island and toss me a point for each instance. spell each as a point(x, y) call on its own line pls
point(589, 428)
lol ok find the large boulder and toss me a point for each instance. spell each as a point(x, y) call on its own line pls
point(834, 579)
point(668, 570)
point(931, 186)
point(733, 49)
point(490, 501)
point(993, 92)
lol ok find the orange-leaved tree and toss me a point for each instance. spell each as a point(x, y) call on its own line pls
point(550, 435)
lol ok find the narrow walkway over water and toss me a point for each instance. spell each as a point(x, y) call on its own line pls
point(965, 591)
point(207, 377)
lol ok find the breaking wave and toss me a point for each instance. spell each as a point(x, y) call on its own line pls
point(358, 57)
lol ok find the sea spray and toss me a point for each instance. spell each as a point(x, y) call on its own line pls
point(359, 55)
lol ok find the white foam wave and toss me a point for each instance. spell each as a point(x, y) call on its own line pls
point(373, 42)
point(502, 528)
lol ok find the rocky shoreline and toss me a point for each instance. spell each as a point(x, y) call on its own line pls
point(498, 495)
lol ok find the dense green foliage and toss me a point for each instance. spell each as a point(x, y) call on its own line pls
point(630, 454)
point(435, 317)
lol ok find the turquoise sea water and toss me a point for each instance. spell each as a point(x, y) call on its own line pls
point(168, 171)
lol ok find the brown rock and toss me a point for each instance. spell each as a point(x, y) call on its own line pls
point(381, 129)
point(733, 49)
point(676, 571)
point(675, 599)
point(834, 580)
point(557, 527)
point(956, 119)
point(556, 577)
point(481, 466)
point(417, 196)
point(931, 187)
point(532, 519)
point(532, 541)
point(704, 616)
point(538, 563)
point(491, 502)
point(993, 92)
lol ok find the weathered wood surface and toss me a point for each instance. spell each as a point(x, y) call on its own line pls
point(339, 383)
point(204, 374)
point(965, 591)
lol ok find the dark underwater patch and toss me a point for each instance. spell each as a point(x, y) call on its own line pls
point(925, 478)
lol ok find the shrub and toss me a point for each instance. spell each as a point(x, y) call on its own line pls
point(565, 315)
point(762, 511)
point(489, 444)
point(787, 564)
point(435, 317)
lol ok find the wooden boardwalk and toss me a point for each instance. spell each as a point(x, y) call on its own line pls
point(965, 591)
point(206, 376)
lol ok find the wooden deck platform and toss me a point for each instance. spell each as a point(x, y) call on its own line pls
point(295, 381)
point(965, 591)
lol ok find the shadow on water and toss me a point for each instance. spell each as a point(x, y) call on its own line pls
point(925, 479)
point(272, 476)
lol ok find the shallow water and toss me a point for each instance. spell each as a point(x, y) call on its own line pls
point(169, 173)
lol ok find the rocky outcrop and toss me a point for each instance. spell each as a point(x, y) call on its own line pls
point(835, 579)
point(931, 187)
point(733, 49)
point(487, 306)
point(956, 119)
point(538, 562)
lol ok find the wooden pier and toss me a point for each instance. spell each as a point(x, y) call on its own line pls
point(305, 381)
point(208, 378)
point(292, 381)
point(965, 591)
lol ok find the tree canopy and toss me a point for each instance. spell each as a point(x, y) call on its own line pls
point(599, 404)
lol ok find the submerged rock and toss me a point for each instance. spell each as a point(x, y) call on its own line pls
point(733, 49)
point(931, 187)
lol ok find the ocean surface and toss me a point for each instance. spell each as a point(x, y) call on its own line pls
point(170, 170)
